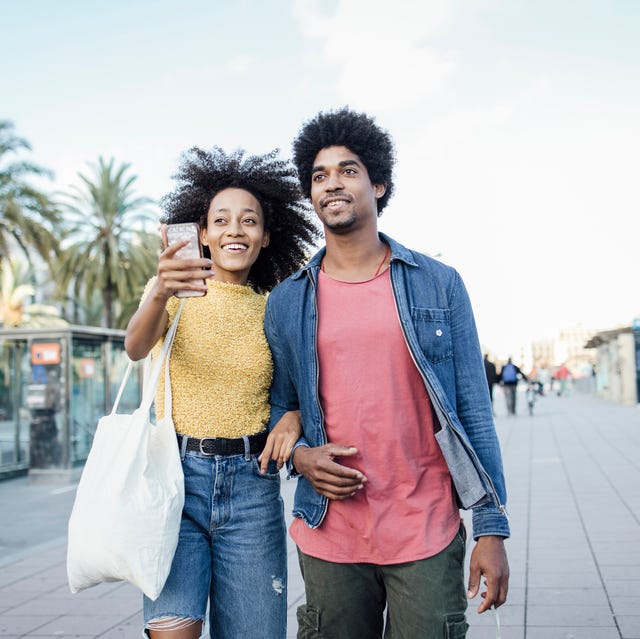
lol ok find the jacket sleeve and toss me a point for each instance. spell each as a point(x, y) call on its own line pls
point(473, 406)
point(284, 396)
point(283, 393)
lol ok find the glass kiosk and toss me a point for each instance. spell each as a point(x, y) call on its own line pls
point(55, 383)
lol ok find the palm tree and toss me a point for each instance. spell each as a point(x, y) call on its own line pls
point(27, 216)
point(108, 248)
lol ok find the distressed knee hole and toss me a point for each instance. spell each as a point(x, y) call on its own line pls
point(167, 624)
point(278, 585)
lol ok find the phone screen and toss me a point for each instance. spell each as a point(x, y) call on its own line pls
point(179, 233)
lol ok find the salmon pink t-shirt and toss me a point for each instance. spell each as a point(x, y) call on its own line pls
point(373, 398)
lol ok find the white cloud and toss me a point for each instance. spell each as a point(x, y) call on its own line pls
point(380, 49)
point(240, 64)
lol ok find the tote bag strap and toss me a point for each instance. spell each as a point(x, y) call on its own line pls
point(149, 391)
point(151, 373)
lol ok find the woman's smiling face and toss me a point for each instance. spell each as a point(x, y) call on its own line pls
point(235, 234)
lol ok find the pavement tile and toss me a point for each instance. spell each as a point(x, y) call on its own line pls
point(565, 578)
point(627, 572)
point(626, 605)
point(629, 626)
point(22, 624)
point(41, 583)
point(482, 632)
point(44, 606)
point(577, 632)
point(10, 598)
point(509, 615)
point(558, 616)
point(517, 595)
point(76, 625)
point(566, 596)
point(623, 588)
point(124, 631)
point(560, 564)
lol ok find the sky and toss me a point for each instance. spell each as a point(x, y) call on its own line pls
point(516, 123)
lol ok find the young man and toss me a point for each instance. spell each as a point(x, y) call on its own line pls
point(377, 346)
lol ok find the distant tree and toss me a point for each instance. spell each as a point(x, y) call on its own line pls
point(107, 245)
point(27, 216)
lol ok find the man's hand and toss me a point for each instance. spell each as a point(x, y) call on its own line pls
point(327, 476)
point(489, 558)
point(281, 440)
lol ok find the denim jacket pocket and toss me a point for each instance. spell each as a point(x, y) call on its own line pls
point(433, 329)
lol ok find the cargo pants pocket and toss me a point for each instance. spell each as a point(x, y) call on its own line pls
point(456, 628)
point(308, 622)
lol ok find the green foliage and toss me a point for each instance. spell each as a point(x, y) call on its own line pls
point(108, 247)
point(27, 216)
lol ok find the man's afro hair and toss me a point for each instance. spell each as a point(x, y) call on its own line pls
point(272, 181)
point(356, 131)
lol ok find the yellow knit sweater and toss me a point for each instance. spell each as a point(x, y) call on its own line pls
point(220, 364)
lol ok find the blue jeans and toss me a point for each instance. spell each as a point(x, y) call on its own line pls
point(231, 551)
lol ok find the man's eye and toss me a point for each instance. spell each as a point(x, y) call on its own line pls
point(317, 177)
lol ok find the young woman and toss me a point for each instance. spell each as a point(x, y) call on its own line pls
point(255, 230)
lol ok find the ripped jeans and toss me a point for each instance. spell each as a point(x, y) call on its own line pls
point(231, 552)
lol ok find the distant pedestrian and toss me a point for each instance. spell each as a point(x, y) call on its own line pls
point(492, 375)
point(509, 376)
point(562, 375)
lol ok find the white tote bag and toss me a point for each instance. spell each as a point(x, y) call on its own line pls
point(126, 516)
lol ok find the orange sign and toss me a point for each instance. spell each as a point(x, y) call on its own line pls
point(45, 353)
point(87, 367)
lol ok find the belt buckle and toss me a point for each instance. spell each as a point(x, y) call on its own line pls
point(204, 439)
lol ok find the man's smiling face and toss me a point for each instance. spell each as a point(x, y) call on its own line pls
point(341, 191)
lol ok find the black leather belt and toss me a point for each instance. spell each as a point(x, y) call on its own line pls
point(221, 446)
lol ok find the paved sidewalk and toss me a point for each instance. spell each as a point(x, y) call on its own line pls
point(573, 473)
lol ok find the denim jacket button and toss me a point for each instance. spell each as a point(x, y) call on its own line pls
point(439, 333)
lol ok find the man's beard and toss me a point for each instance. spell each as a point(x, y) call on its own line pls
point(340, 225)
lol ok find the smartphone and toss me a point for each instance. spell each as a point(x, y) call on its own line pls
point(179, 233)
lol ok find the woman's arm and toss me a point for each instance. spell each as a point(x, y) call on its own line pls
point(148, 323)
point(146, 326)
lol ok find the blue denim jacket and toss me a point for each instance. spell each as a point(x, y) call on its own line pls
point(437, 321)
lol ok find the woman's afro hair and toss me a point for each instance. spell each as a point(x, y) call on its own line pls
point(356, 131)
point(272, 181)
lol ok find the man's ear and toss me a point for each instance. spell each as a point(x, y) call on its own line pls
point(379, 190)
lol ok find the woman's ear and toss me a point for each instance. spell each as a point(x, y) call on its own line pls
point(266, 238)
point(203, 237)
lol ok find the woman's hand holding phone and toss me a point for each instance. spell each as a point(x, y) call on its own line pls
point(182, 270)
